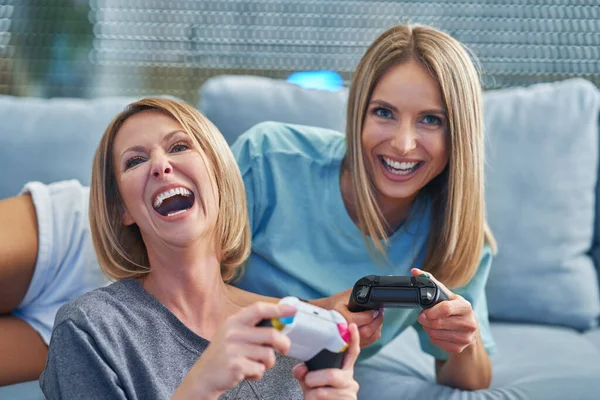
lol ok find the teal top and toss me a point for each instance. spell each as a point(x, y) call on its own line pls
point(305, 244)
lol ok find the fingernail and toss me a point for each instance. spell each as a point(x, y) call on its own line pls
point(297, 367)
point(288, 308)
point(423, 316)
point(375, 313)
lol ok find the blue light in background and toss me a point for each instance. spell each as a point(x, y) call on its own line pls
point(321, 80)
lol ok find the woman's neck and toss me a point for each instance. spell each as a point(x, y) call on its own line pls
point(394, 211)
point(190, 285)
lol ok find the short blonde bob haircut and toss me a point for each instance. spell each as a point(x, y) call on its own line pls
point(120, 248)
point(458, 227)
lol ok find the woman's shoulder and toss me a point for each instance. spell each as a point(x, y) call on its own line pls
point(94, 306)
point(487, 254)
point(267, 138)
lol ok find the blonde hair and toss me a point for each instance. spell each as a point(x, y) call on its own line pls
point(458, 227)
point(120, 249)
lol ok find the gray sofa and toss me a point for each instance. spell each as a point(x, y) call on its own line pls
point(541, 191)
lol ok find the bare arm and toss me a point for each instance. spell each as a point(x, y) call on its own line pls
point(453, 327)
point(18, 249)
point(22, 350)
point(469, 370)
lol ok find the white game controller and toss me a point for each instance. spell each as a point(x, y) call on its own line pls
point(319, 337)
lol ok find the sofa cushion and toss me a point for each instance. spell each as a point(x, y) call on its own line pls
point(234, 103)
point(532, 362)
point(541, 173)
point(22, 391)
point(51, 139)
point(593, 336)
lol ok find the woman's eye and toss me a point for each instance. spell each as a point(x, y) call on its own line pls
point(432, 120)
point(179, 147)
point(132, 162)
point(383, 112)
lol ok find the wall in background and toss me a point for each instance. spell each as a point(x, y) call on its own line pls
point(83, 48)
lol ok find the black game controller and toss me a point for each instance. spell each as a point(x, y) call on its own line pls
point(374, 292)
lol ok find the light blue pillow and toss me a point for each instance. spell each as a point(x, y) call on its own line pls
point(541, 176)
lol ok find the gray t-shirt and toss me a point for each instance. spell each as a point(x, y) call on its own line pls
point(119, 342)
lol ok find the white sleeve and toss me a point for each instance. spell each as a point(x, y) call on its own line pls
point(66, 265)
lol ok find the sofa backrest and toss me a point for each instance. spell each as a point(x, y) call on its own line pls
point(541, 178)
point(541, 183)
point(276, 100)
point(49, 140)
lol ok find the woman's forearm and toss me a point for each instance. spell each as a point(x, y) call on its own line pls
point(19, 238)
point(469, 370)
point(22, 351)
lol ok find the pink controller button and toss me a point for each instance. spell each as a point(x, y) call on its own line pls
point(344, 332)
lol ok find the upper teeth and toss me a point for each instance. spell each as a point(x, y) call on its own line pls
point(170, 193)
point(400, 165)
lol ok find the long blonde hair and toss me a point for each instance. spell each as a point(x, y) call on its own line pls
point(120, 249)
point(458, 227)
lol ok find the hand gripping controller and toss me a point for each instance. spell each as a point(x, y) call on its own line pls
point(319, 337)
point(374, 292)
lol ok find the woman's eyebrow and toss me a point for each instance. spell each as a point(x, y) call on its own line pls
point(435, 111)
point(168, 137)
point(135, 149)
point(383, 104)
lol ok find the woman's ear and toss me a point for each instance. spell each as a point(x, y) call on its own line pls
point(126, 217)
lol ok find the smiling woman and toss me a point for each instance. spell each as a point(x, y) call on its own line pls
point(400, 194)
point(168, 222)
point(405, 138)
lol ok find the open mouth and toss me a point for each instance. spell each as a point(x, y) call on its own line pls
point(400, 168)
point(173, 201)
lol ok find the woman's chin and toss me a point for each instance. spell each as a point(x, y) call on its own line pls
point(399, 190)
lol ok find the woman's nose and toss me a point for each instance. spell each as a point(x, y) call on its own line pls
point(161, 167)
point(405, 139)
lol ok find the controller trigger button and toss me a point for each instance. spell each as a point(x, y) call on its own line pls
point(344, 332)
point(276, 323)
point(427, 295)
point(362, 294)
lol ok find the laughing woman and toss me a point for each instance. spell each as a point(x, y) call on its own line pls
point(168, 220)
